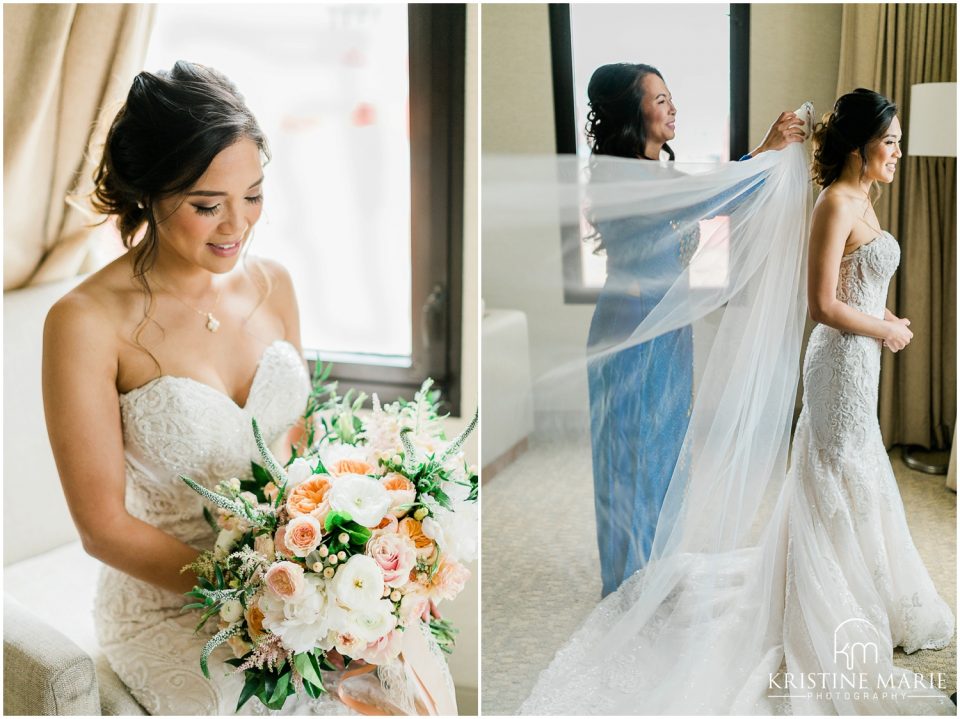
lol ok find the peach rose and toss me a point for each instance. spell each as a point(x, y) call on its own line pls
point(263, 545)
point(303, 535)
point(384, 649)
point(285, 579)
point(270, 491)
point(402, 492)
point(388, 525)
point(396, 555)
point(351, 466)
point(280, 544)
point(254, 616)
point(414, 529)
point(449, 580)
point(238, 646)
point(309, 497)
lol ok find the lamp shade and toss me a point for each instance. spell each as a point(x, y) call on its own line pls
point(932, 125)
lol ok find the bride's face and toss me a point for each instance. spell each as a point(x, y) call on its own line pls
point(208, 225)
point(883, 154)
point(659, 112)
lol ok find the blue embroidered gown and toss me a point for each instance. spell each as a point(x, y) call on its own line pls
point(640, 397)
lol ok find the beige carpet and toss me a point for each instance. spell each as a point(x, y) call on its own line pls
point(540, 577)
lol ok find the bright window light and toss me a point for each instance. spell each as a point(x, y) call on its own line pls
point(690, 46)
point(329, 85)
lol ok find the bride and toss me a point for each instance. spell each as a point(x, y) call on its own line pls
point(771, 590)
point(154, 366)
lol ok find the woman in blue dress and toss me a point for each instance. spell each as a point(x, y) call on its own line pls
point(640, 397)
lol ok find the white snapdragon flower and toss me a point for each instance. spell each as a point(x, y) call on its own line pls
point(363, 498)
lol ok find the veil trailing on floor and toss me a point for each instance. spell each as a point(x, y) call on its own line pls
point(711, 260)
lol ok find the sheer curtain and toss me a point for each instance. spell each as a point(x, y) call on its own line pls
point(889, 48)
point(67, 69)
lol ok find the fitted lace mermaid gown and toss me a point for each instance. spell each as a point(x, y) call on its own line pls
point(848, 584)
point(173, 426)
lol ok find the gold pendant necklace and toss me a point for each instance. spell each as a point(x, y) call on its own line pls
point(212, 324)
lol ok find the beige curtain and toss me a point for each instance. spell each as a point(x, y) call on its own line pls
point(66, 70)
point(889, 48)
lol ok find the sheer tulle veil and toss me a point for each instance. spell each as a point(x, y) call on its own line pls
point(699, 629)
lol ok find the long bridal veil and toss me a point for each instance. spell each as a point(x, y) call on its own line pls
point(717, 255)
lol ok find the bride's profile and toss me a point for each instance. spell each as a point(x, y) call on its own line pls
point(155, 365)
point(779, 580)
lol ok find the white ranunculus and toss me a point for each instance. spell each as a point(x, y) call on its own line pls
point(372, 621)
point(301, 623)
point(457, 531)
point(358, 583)
point(432, 529)
point(225, 541)
point(231, 610)
point(298, 472)
point(363, 498)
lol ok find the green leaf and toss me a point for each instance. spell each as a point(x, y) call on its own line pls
point(307, 670)
point(358, 533)
point(261, 475)
point(211, 521)
point(335, 519)
point(249, 689)
point(280, 691)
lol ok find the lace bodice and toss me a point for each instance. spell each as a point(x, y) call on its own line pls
point(177, 425)
point(865, 274)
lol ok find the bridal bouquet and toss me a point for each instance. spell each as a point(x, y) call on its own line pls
point(331, 559)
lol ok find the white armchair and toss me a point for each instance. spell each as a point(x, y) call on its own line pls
point(51, 661)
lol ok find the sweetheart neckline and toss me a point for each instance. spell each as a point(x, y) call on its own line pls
point(865, 244)
point(256, 373)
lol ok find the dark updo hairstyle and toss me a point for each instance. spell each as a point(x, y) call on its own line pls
point(615, 121)
point(858, 118)
point(161, 142)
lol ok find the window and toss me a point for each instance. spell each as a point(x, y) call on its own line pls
point(702, 51)
point(363, 108)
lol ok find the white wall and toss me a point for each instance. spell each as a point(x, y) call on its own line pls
point(464, 611)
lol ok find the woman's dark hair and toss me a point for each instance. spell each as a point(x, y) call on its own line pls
point(161, 142)
point(858, 118)
point(615, 121)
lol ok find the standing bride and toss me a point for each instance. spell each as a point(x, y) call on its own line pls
point(774, 591)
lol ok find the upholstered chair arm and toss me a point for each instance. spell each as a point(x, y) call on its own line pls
point(44, 672)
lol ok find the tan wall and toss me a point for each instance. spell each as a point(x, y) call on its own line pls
point(794, 57)
point(517, 83)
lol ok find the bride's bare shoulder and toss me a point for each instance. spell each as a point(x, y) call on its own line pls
point(100, 306)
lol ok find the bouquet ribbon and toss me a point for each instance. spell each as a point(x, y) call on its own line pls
point(426, 672)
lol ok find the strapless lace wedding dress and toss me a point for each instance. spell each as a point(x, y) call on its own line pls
point(173, 426)
point(848, 584)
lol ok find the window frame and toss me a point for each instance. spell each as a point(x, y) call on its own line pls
point(565, 119)
point(437, 57)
